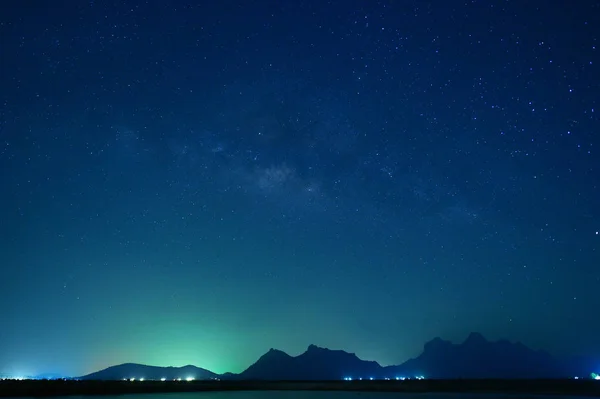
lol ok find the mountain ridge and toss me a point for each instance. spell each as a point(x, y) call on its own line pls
point(475, 357)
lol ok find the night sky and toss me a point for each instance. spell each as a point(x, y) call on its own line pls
point(197, 183)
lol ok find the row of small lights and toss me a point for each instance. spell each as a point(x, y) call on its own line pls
point(420, 377)
point(594, 376)
point(163, 379)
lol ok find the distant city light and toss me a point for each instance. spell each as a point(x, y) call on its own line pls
point(189, 379)
point(179, 379)
point(141, 379)
point(163, 379)
point(595, 376)
point(418, 377)
point(133, 379)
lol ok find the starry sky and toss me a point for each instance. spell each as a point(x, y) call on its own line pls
point(199, 182)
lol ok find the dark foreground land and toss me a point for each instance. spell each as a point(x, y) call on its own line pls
point(66, 387)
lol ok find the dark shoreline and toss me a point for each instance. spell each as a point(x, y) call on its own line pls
point(11, 388)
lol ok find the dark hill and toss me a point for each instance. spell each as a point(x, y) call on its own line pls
point(139, 371)
point(314, 364)
point(477, 357)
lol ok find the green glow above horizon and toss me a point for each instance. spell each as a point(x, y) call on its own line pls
point(178, 350)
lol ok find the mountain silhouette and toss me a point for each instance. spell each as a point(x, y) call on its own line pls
point(314, 364)
point(474, 358)
point(477, 357)
point(140, 371)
